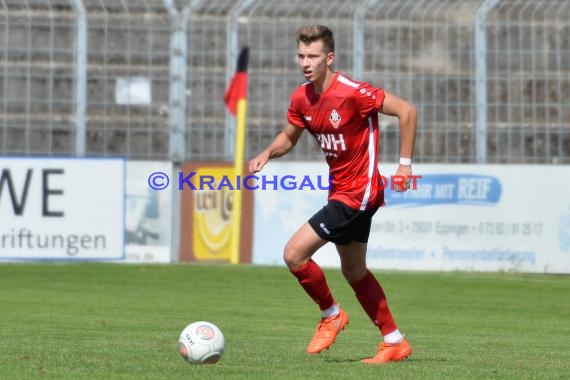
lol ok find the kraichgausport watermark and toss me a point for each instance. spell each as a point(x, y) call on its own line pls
point(194, 182)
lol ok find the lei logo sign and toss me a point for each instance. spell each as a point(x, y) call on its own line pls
point(206, 224)
point(212, 219)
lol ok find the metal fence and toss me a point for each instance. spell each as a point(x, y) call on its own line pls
point(145, 79)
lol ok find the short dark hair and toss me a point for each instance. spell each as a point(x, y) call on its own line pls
point(312, 33)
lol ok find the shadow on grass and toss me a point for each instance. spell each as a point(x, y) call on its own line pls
point(412, 359)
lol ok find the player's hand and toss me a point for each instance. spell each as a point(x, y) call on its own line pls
point(404, 172)
point(258, 162)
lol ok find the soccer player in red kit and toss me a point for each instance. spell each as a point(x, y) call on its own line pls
point(342, 114)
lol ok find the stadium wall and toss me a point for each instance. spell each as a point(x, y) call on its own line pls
point(455, 217)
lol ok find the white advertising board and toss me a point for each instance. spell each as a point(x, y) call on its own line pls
point(460, 217)
point(62, 208)
point(148, 215)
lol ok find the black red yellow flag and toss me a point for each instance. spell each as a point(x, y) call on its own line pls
point(238, 87)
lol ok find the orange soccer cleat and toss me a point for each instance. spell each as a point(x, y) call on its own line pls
point(327, 331)
point(390, 352)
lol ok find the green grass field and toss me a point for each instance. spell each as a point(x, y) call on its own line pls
point(112, 321)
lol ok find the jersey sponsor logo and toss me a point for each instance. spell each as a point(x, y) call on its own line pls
point(331, 142)
point(335, 118)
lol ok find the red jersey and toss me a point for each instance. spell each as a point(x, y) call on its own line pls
point(344, 120)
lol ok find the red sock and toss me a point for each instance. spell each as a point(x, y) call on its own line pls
point(312, 279)
point(372, 298)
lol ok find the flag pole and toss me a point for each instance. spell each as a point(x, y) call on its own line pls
point(238, 162)
point(236, 102)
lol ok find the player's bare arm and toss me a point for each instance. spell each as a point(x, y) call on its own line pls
point(281, 145)
point(407, 117)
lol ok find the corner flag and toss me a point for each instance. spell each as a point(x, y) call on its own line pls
point(236, 102)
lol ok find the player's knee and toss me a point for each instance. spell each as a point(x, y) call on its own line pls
point(288, 257)
point(291, 257)
point(354, 274)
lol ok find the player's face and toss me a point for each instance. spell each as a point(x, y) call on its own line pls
point(314, 61)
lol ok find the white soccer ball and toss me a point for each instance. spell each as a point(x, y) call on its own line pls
point(201, 343)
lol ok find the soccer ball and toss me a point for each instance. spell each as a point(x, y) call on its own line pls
point(201, 343)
